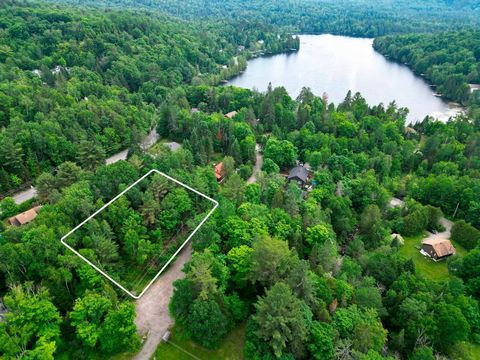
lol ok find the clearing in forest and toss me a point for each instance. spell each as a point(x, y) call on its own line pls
point(132, 239)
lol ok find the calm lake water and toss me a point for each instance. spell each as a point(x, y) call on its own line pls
point(336, 64)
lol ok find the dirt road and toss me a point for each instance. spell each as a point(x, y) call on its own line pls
point(258, 165)
point(24, 195)
point(149, 140)
point(153, 318)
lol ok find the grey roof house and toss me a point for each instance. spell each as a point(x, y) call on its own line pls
point(299, 174)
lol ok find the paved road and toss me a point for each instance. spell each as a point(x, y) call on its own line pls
point(153, 319)
point(258, 165)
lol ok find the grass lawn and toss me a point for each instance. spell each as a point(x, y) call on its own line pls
point(230, 349)
point(424, 265)
point(465, 351)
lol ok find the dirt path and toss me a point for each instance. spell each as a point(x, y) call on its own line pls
point(153, 319)
point(447, 224)
point(258, 165)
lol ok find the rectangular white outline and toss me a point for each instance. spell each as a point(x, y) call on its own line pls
point(62, 240)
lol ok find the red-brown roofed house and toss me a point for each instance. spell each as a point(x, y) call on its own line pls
point(25, 217)
point(219, 172)
point(333, 306)
point(437, 248)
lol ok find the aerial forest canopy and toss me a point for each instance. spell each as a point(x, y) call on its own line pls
point(269, 255)
point(364, 18)
point(82, 85)
point(322, 267)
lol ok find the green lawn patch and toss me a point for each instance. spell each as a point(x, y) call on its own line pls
point(230, 349)
point(424, 265)
point(465, 351)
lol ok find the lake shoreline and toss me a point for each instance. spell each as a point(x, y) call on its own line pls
point(396, 81)
point(458, 108)
point(450, 102)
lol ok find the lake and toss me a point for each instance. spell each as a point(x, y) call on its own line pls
point(336, 64)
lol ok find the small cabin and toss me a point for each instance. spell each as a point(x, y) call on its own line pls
point(437, 248)
point(298, 174)
point(219, 172)
point(474, 87)
point(25, 217)
point(231, 114)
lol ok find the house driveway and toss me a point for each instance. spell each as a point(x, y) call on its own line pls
point(153, 318)
point(447, 224)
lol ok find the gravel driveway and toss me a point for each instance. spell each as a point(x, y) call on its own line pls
point(153, 319)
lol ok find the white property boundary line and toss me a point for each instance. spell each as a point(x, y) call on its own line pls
point(62, 240)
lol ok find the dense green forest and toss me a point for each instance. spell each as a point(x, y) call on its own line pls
point(364, 18)
point(77, 86)
point(450, 60)
point(135, 236)
point(319, 270)
point(312, 272)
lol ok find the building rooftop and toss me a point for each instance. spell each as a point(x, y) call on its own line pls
point(299, 172)
point(442, 247)
point(231, 114)
point(474, 87)
point(25, 217)
point(219, 171)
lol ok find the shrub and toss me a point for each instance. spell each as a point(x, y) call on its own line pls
point(465, 234)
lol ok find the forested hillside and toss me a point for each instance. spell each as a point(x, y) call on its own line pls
point(451, 60)
point(324, 265)
point(365, 18)
point(79, 85)
point(319, 269)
